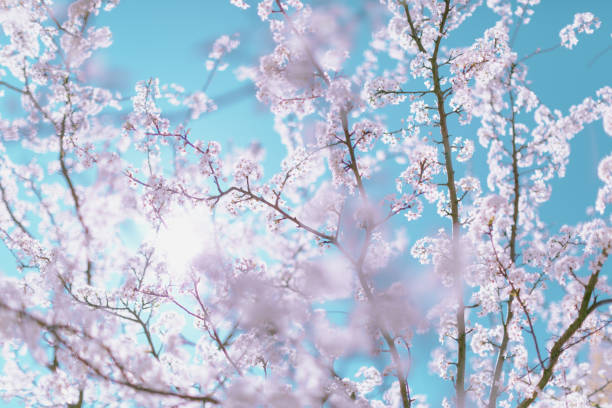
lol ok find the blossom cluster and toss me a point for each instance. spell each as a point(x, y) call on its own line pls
point(157, 265)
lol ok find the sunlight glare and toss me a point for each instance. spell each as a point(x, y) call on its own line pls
point(187, 232)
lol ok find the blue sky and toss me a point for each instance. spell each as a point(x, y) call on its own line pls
point(170, 40)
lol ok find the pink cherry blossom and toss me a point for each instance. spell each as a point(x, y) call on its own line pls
point(154, 264)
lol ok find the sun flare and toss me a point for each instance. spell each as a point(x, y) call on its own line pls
point(185, 234)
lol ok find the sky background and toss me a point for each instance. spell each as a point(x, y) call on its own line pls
point(170, 40)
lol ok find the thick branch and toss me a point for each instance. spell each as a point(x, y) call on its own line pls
point(493, 395)
point(559, 345)
point(452, 189)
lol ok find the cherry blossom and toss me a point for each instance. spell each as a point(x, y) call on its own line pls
point(153, 264)
point(583, 23)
